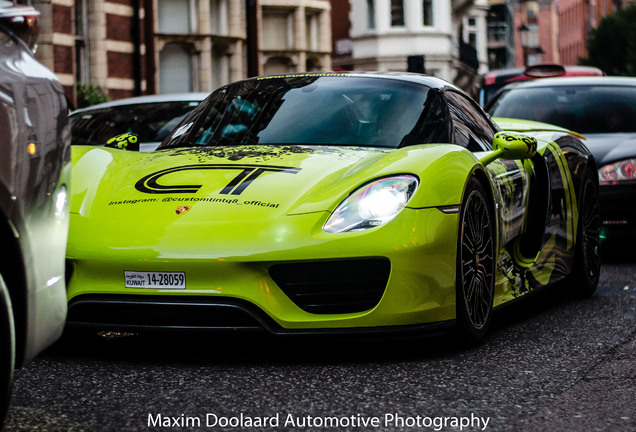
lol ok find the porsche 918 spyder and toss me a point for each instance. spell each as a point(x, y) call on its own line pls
point(330, 202)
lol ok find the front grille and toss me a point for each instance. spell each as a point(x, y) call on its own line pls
point(147, 311)
point(333, 287)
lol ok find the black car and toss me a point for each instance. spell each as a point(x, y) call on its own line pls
point(34, 176)
point(603, 109)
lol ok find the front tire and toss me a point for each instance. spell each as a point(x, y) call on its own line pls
point(475, 280)
point(586, 269)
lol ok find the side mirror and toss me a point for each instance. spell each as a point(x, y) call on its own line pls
point(511, 146)
point(126, 141)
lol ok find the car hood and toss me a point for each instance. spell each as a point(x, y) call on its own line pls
point(612, 147)
point(240, 183)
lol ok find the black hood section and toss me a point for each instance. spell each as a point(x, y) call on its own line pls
point(608, 148)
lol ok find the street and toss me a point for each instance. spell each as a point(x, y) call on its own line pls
point(551, 363)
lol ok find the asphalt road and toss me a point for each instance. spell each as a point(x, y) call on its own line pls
point(550, 364)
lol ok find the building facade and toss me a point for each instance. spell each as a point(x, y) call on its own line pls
point(576, 19)
point(294, 36)
point(439, 37)
point(527, 32)
point(134, 47)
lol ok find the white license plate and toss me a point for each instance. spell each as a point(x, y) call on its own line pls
point(157, 280)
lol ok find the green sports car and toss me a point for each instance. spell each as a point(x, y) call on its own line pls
point(330, 202)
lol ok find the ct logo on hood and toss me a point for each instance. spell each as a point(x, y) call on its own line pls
point(248, 174)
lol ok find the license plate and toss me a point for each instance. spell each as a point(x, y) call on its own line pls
point(157, 280)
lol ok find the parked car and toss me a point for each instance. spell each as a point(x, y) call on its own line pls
point(34, 179)
point(151, 118)
point(603, 109)
point(495, 80)
point(330, 202)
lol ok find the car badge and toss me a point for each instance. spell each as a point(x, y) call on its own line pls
point(182, 209)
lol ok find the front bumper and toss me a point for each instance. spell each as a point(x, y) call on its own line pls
point(238, 275)
point(618, 214)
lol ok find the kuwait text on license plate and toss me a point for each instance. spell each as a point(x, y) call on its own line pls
point(159, 280)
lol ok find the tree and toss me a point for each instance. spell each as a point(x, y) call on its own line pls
point(612, 45)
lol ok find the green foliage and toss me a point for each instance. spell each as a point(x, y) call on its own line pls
point(89, 94)
point(612, 45)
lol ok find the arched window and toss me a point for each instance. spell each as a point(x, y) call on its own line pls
point(175, 68)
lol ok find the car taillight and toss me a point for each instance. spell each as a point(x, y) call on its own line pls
point(23, 23)
point(618, 172)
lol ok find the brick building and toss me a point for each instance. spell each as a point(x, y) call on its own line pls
point(136, 47)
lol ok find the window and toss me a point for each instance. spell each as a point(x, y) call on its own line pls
point(81, 42)
point(150, 121)
point(175, 69)
point(427, 13)
point(362, 111)
point(371, 14)
point(220, 66)
point(218, 17)
point(471, 127)
point(176, 16)
point(470, 31)
point(397, 13)
point(311, 29)
point(278, 30)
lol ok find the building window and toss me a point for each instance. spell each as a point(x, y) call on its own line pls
point(278, 29)
point(175, 68)
point(397, 13)
point(470, 31)
point(82, 74)
point(218, 17)
point(311, 29)
point(371, 14)
point(427, 12)
point(177, 17)
point(220, 66)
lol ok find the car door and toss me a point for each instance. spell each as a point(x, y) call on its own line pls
point(473, 130)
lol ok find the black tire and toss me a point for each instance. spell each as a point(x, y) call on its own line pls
point(475, 280)
point(583, 280)
point(7, 350)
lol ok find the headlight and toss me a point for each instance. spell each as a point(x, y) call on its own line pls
point(618, 172)
point(372, 205)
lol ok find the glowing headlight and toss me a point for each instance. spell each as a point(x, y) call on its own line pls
point(372, 205)
point(618, 172)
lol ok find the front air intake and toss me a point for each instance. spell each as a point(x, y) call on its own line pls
point(333, 287)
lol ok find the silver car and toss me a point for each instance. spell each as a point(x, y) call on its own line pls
point(151, 118)
point(34, 176)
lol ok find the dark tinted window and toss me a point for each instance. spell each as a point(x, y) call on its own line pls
point(151, 121)
point(584, 109)
point(314, 110)
point(471, 127)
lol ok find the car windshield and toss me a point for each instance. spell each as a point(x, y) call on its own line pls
point(584, 109)
point(311, 110)
point(152, 122)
